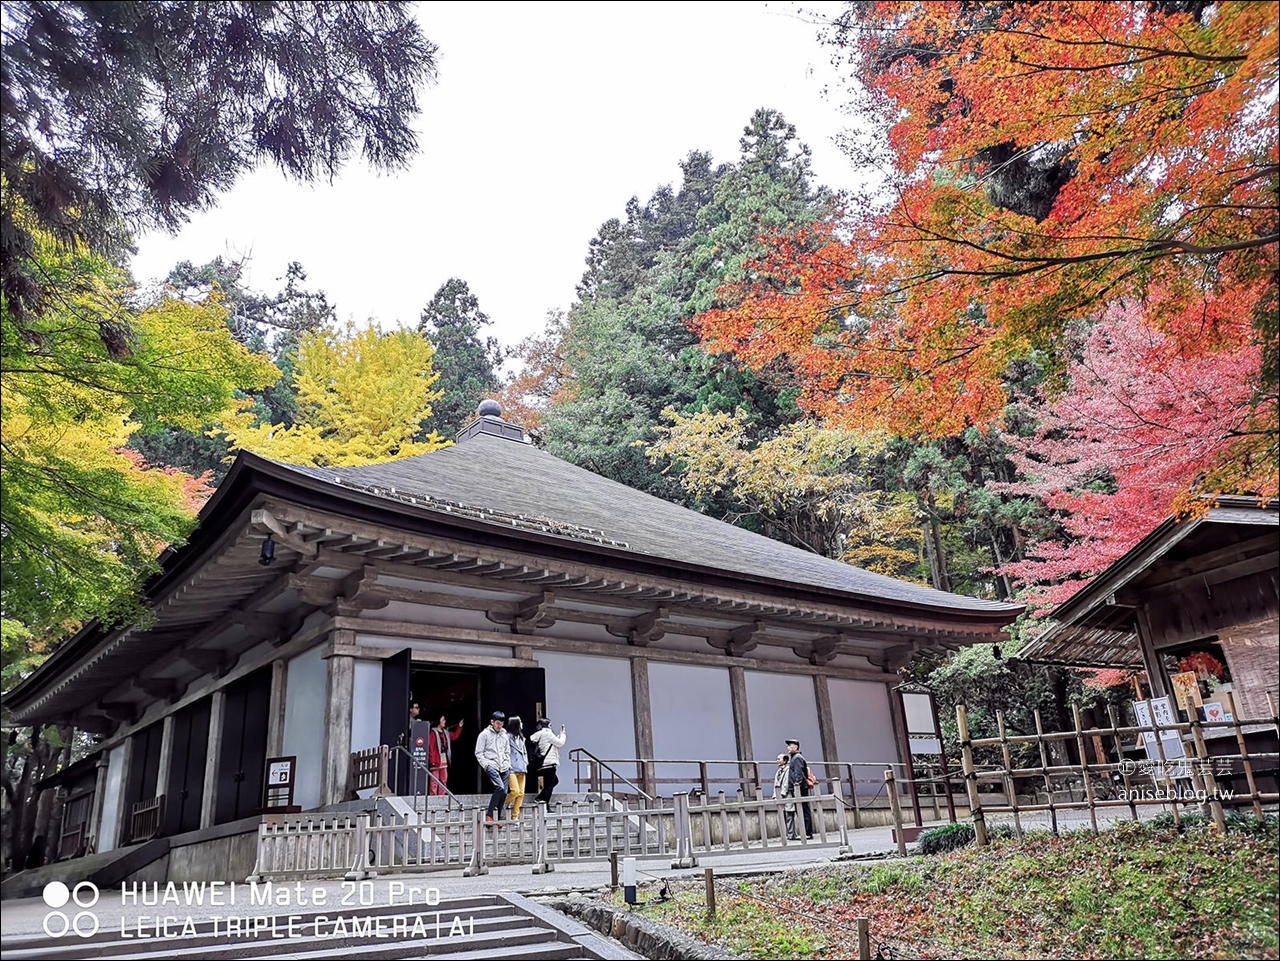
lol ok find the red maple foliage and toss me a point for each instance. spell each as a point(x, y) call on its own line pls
point(1131, 440)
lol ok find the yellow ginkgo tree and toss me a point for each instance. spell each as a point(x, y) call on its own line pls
point(362, 395)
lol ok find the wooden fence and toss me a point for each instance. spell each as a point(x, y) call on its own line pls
point(1177, 783)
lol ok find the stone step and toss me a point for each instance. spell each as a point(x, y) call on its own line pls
point(504, 932)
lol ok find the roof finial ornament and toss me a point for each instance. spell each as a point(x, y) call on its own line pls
point(489, 421)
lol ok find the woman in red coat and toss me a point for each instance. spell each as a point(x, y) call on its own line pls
point(440, 753)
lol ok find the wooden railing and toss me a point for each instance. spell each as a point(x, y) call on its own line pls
point(369, 770)
point(71, 841)
point(147, 820)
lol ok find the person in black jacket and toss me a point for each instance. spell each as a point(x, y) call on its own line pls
point(797, 786)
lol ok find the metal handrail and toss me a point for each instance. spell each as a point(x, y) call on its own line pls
point(576, 756)
point(644, 764)
point(452, 798)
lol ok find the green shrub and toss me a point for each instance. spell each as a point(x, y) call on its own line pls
point(1191, 821)
point(1248, 823)
point(949, 837)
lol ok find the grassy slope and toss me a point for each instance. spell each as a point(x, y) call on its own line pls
point(1132, 892)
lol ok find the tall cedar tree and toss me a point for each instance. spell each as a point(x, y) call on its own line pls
point(627, 350)
point(466, 361)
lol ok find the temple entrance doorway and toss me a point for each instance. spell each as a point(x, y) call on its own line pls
point(470, 695)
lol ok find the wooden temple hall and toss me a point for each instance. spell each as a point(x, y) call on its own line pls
point(311, 604)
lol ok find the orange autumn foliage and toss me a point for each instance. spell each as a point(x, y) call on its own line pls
point(1042, 161)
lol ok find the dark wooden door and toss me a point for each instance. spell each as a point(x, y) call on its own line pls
point(244, 747)
point(184, 794)
point(394, 727)
point(144, 768)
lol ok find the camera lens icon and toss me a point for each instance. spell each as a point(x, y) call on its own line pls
point(57, 895)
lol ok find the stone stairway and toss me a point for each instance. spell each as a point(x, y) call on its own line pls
point(494, 926)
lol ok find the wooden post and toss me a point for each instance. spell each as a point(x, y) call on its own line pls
point(1044, 770)
point(710, 876)
point(895, 805)
point(642, 717)
point(827, 731)
point(613, 870)
point(212, 758)
point(1206, 773)
point(864, 939)
point(1084, 767)
point(1124, 774)
point(336, 748)
point(1244, 754)
point(942, 759)
point(166, 758)
point(1009, 786)
point(905, 736)
point(384, 764)
point(741, 722)
point(971, 777)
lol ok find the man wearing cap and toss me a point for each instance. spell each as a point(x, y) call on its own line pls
point(493, 754)
point(797, 786)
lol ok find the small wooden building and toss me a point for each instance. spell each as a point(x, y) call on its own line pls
point(1209, 585)
point(312, 603)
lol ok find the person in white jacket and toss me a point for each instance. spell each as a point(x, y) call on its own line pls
point(493, 754)
point(547, 745)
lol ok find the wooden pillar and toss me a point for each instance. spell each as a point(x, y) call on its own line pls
point(1150, 659)
point(116, 833)
point(166, 756)
point(275, 717)
point(212, 758)
point(826, 727)
point(742, 727)
point(95, 826)
point(642, 720)
point(337, 729)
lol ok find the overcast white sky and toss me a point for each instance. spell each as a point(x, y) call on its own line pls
point(545, 120)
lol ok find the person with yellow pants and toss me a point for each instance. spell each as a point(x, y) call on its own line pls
point(519, 766)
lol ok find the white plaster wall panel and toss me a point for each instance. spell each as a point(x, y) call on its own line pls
point(434, 647)
point(692, 717)
point(591, 696)
point(366, 711)
point(864, 728)
point(782, 706)
point(113, 794)
point(306, 690)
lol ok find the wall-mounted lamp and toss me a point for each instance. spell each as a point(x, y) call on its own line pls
point(268, 552)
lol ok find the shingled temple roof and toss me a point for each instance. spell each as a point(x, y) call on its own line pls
point(513, 484)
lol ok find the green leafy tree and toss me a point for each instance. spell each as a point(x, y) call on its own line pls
point(466, 360)
point(82, 518)
point(264, 323)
